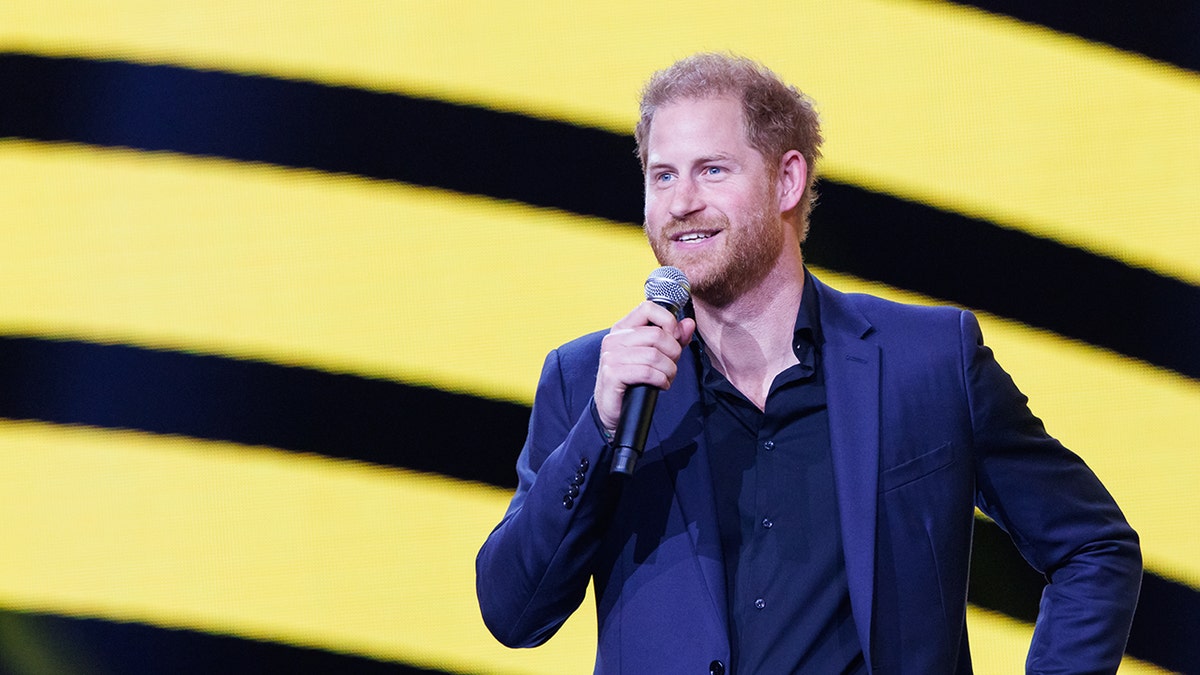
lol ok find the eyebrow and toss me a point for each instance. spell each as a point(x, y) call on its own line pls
point(706, 159)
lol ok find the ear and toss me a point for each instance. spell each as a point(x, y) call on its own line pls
point(793, 178)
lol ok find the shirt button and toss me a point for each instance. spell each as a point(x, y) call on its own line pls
point(769, 445)
point(766, 522)
point(760, 603)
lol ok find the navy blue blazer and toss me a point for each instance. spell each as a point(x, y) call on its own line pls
point(924, 428)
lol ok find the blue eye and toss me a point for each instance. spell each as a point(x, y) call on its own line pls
point(665, 177)
point(713, 171)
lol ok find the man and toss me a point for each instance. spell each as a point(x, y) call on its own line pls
point(806, 499)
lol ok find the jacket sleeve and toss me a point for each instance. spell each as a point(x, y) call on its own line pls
point(1062, 519)
point(533, 570)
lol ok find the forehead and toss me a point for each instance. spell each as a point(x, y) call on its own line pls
point(700, 125)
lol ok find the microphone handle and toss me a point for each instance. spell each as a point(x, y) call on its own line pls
point(633, 426)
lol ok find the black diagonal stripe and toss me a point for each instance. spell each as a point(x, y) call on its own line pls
point(974, 263)
point(298, 409)
point(393, 424)
point(303, 124)
point(1165, 30)
point(41, 643)
point(391, 137)
point(508, 156)
point(1164, 628)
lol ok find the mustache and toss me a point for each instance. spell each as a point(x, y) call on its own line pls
point(708, 222)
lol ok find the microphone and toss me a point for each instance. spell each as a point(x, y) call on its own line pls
point(666, 287)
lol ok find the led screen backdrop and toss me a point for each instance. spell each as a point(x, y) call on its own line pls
point(276, 282)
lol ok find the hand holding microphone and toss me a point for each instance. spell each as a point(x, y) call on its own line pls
point(638, 359)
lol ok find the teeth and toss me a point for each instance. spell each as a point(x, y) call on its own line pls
point(695, 236)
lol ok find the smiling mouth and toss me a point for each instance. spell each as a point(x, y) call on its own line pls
point(690, 237)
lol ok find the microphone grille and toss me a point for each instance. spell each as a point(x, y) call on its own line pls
point(669, 287)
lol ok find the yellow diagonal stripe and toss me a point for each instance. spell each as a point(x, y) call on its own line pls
point(930, 101)
point(257, 543)
point(462, 293)
point(302, 268)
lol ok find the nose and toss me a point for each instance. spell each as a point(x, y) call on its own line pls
point(685, 199)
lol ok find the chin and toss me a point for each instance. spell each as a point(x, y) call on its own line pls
point(696, 273)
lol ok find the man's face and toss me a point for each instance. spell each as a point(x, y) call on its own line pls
point(711, 208)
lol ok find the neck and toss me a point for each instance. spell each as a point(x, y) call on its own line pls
point(750, 339)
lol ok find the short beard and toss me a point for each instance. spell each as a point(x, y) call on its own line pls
point(751, 251)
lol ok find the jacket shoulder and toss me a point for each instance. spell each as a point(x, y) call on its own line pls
point(569, 373)
point(581, 355)
point(873, 314)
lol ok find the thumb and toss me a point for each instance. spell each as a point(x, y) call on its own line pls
point(685, 331)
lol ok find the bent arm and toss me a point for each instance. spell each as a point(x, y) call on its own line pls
point(534, 568)
point(1060, 516)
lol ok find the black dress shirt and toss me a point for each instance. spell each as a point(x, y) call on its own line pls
point(789, 603)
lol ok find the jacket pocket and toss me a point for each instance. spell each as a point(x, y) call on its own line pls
point(916, 468)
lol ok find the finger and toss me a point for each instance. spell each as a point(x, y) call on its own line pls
point(641, 337)
point(622, 368)
point(648, 313)
point(614, 377)
point(626, 375)
point(662, 357)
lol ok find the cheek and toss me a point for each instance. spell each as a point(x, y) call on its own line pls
point(655, 209)
point(743, 204)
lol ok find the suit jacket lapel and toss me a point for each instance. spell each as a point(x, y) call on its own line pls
point(853, 391)
point(677, 439)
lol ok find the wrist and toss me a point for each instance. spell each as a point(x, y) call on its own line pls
point(605, 433)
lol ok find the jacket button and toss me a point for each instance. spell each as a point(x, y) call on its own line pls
point(568, 502)
point(716, 668)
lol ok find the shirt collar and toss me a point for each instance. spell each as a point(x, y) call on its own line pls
point(808, 319)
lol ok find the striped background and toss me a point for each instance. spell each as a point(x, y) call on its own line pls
point(276, 281)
